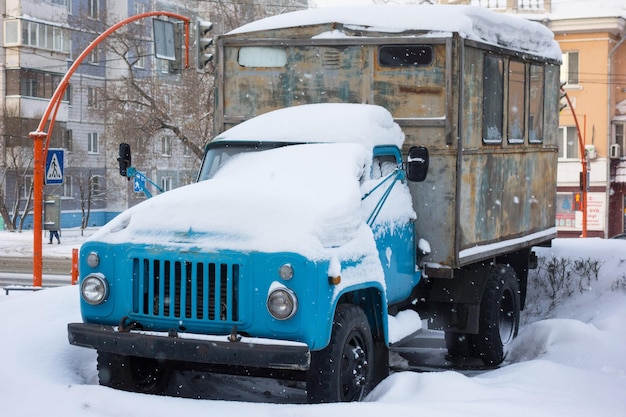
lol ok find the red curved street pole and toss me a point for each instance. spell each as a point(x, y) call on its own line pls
point(583, 161)
point(40, 142)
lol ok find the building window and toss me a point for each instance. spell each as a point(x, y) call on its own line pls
point(140, 59)
point(493, 81)
point(68, 140)
point(92, 143)
point(140, 8)
point(568, 146)
point(94, 57)
point(92, 97)
point(569, 68)
point(29, 83)
point(67, 186)
point(29, 87)
point(65, 3)
point(166, 183)
point(94, 185)
point(620, 137)
point(11, 32)
point(93, 9)
point(60, 39)
point(37, 35)
point(166, 146)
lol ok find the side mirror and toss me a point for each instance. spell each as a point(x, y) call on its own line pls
point(417, 164)
point(124, 159)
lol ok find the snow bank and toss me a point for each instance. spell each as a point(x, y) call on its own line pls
point(572, 364)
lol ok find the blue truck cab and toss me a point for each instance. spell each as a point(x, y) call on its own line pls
point(285, 258)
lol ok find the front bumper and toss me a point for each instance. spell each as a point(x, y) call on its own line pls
point(294, 357)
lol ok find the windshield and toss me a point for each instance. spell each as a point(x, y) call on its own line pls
point(218, 154)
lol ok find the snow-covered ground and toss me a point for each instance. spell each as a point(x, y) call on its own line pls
point(20, 244)
point(569, 359)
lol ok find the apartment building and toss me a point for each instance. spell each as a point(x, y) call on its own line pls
point(591, 34)
point(39, 41)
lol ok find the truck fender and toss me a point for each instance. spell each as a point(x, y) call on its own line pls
point(371, 298)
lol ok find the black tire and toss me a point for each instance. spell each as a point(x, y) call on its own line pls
point(132, 373)
point(344, 370)
point(499, 316)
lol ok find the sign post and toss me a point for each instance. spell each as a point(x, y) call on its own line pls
point(54, 166)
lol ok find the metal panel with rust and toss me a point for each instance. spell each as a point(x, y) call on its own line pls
point(475, 194)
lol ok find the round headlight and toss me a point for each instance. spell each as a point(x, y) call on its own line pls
point(93, 259)
point(94, 289)
point(282, 303)
point(285, 272)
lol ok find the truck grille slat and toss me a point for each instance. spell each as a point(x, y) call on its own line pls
point(186, 290)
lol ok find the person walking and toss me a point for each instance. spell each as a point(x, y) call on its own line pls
point(53, 234)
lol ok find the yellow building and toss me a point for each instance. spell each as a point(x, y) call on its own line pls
point(592, 36)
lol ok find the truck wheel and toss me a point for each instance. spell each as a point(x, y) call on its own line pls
point(344, 370)
point(132, 373)
point(499, 316)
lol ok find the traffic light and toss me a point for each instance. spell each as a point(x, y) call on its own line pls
point(203, 43)
point(578, 201)
point(124, 159)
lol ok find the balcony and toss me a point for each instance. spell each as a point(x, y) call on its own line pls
point(519, 6)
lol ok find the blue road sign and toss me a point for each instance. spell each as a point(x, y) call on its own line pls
point(139, 183)
point(54, 166)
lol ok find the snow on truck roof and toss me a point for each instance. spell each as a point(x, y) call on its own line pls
point(475, 23)
point(365, 124)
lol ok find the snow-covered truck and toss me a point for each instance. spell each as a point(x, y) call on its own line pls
point(377, 165)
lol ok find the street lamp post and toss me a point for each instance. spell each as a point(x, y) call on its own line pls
point(40, 136)
point(584, 163)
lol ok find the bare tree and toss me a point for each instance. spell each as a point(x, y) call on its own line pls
point(140, 104)
point(27, 206)
point(91, 189)
point(18, 156)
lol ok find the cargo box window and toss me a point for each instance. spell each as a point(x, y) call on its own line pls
point(492, 99)
point(535, 108)
point(516, 109)
point(262, 57)
point(405, 56)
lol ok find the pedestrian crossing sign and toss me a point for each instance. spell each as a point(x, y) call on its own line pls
point(54, 166)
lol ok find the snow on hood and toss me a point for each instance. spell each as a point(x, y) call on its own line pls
point(300, 198)
point(476, 23)
point(366, 124)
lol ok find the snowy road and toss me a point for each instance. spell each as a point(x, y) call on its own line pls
point(24, 265)
point(8, 279)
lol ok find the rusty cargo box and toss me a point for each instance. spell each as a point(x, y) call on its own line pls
point(487, 112)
